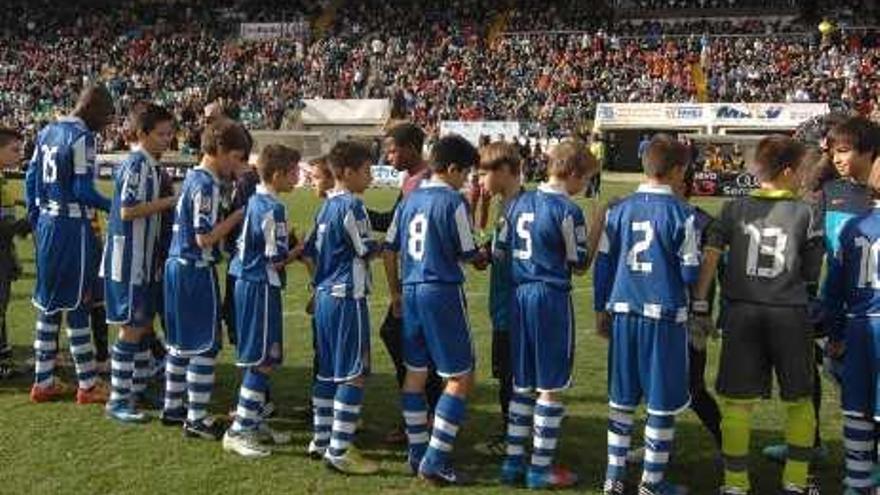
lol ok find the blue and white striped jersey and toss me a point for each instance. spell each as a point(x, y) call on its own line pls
point(63, 160)
point(546, 237)
point(196, 214)
point(129, 253)
point(432, 229)
point(341, 243)
point(263, 240)
point(648, 256)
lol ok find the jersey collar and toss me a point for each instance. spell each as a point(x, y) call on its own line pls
point(773, 194)
point(431, 183)
point(209, 172)
point(655, 189)
point(150, 158)
point(550, 189)
point(75, 120)
point(261, 189)
point(337, 192)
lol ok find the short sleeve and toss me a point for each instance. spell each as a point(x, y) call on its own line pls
point(205, 204)
point(274, 228)
point(83, 150)
point(574, 232)
point(392, 236)
point(357, 229)
point(132, 184)
point(463, 229)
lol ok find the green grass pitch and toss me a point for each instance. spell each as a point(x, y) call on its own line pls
point(70, 449)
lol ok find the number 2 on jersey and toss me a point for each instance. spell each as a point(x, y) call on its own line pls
point(632, 258)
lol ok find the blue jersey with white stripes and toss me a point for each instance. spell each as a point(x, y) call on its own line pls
point(432, 229)
point(853, 284)
point(546, 237)
point(196, 214)
point(263, 240)
point(63, 155)
point(129, 253)
point(648, 256)
point(340, 244)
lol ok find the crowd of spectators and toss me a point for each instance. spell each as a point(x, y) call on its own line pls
point(434, 59)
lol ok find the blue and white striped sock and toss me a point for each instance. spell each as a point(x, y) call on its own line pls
point(322, 407)
point(175, 382)
point(121, 372)
point(448, 416)
point(142, 368)
point(251, 398)
point(45, 350)
point(659, 435)
point(548, 423)
point(620, 428)
point(519, 426)
point(199, 384)
point(415, 417)
point(346, 411)
point(858, 444)
point(79, 333)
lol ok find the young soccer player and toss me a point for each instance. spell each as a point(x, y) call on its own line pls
point(647, 258)
point(848, 295)
point(192, 301)
point(851, 294)
point(259, 271)
point(10, 227)
point(432, 232)
point(774, 250)
point(500, 173)
point(546, 240)
point(341, 246)
point(61, 199)
point(129, 268)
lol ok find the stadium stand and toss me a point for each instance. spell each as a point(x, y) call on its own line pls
point(434, 62)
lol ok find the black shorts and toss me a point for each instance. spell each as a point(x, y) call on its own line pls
point(759, 340)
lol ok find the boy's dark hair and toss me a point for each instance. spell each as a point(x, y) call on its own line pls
point(276, 158)
point(8, 135)
point(407, 134)
point(571, 158)
point(663, 155)
point(348, 155)
point(95, 107)
point(858, 132)
point(225, 135)
point(494, 156)
point(776, 153)
point(150, 116)
point(455, 150)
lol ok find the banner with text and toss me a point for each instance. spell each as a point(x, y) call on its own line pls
point(260, 31)
point(690, 115)
point(472, 131)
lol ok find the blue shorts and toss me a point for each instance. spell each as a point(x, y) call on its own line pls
point(342, 337)
point(861, 369)
point(132, 305)
point(258, 324)
point(436, 329)
point(192, 308)
point(648, 359)
point(66, 265)
point(542, 339)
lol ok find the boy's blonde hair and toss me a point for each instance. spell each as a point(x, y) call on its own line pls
point(571, 158)
point(494, 156)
